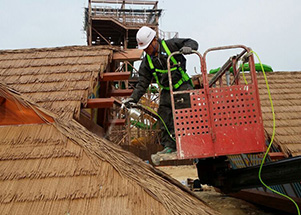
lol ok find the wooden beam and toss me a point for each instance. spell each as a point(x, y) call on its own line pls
point(89, 30)
point(102, 113)
point(125, 92)
point(155, 6)
point(13, 112)
point(123, 5)
point(276, 155)
point(100, 103)
point(129, 54)
point(115, 76)
point(126, 2)
point(116, 122)
point(102, 37)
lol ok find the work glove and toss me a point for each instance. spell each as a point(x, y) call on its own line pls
point(128, 102)
point(186, 50)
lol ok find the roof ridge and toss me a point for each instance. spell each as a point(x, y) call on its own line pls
point(59, 48)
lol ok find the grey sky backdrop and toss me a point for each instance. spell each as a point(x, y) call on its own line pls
point(270, 27)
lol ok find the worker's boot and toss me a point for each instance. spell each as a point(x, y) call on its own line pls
point(166, 154)
point(167, 150)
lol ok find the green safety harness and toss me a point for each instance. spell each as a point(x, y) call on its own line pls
point(184, 78)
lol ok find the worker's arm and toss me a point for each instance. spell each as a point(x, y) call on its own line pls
point(144, 80)
point(177, 43)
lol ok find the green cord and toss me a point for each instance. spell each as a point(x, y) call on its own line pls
point(272, 139)
point(154, 112)
point(243, 73)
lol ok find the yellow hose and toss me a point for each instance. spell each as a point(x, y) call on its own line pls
point(272, 139)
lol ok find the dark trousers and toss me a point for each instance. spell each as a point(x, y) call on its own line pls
point(165, 111)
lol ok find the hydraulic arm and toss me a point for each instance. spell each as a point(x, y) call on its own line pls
point(274, 173)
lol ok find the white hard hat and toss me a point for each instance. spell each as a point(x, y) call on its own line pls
point(144, 37)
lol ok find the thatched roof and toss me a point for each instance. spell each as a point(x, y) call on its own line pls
point(58, 79)
point(62, 168)
point(285, 90)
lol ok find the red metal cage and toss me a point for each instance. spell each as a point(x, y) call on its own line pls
point(222, 120)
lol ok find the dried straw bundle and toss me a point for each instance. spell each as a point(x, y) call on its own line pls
point(175, 198)
point(50, 76)
point(158, 184)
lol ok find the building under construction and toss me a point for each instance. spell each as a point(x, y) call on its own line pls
point(117, 22)
point(62, 105)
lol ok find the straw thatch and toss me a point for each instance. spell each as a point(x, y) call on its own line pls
point(59, 79)
point(62, 168)
point(286, 93)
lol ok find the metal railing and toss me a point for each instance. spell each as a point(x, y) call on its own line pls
point(168, 34)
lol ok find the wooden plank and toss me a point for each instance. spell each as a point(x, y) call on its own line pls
point(125, 92)
point(102, 113)
point(276, 155)
point(115, 76)
point(129, 54)
point(126, 2)
point(100, 103)
point(102, 37)
point(13, 112)
point(116, 122)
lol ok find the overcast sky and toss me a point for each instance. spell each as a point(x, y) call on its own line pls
point(270, 27)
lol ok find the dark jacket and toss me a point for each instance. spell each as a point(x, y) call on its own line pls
point(160, 62)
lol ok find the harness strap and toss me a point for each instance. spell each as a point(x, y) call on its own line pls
point(184, 78)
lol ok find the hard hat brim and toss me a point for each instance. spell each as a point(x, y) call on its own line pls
point(144, 46)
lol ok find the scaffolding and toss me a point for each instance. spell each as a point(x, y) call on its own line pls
point(116, 23)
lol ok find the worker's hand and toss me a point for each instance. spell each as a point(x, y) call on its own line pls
point(186, 50)
point(128, 102)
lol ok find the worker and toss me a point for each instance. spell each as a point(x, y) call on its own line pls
point(154, 64)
